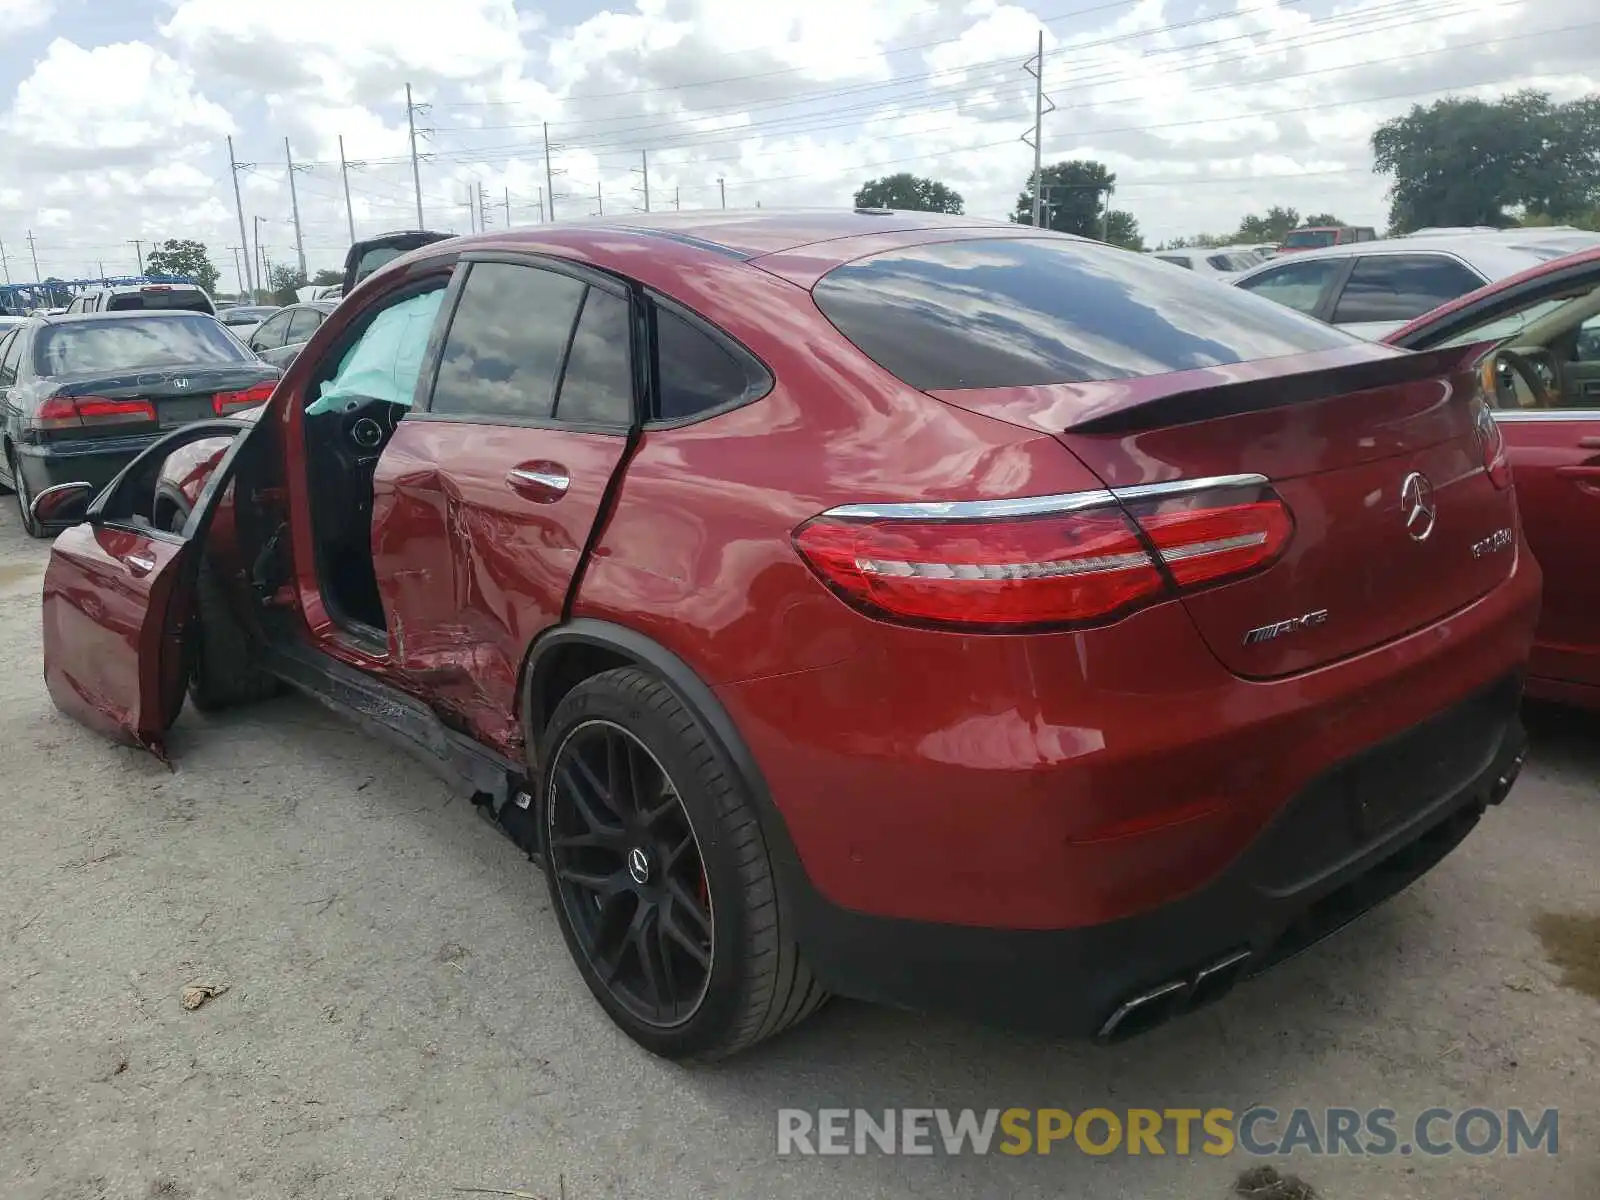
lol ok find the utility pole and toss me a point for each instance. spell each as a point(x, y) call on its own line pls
point(644, 171)
point(599, 208)
point(483, 207)
point(1035, 136)
point(549, 177)
point(263, 275)
point(294, 204)
point(5, 263)
point(722, 190)
point(138, 250)
point(344, 174)
point(33, 252)
point(541, 205)
point(233, 169)
point(472, 209)
point(237, 270)
point(101, 264)
point(1105, 217)
point(416, 171)
point(508, 208)
point(676, 197)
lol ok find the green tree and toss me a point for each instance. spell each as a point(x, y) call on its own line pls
point(907, 191)
point(1122, 229)
point(176, 257)
point(1467, 162)
point(1072, 196)
point(327, 278)
point(1269, 227)
point(283, 280)
point(1323, 219)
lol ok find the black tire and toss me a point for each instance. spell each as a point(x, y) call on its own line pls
point(757, 983)
point(24, 500)
point(223, 669)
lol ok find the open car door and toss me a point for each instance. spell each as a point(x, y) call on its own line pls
point(119, 593)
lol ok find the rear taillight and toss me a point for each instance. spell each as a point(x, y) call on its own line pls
point(224, 402)
point(1492, 445)
point(75, 412)
point(1086, 559)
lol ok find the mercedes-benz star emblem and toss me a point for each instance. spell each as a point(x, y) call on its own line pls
point(1417, 507)
point(639, 865)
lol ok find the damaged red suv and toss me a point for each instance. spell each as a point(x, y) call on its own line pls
point(931, 611)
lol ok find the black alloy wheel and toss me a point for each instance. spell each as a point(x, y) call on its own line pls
point(627, 869)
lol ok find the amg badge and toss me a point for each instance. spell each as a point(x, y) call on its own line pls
point(1498, 540)
point(1266, 633)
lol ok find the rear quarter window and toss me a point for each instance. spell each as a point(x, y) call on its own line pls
point(1019, 312)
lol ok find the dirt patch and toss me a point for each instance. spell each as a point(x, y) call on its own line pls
point(1265, 1183)
point(15, 572)
point(1572, 942)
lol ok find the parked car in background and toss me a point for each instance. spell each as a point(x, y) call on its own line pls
point(243, 319)
point(667, 536)
point(1542, 366)
point(1313, 237)
point(366, 256)
point(1204, 262)
point(82, 394)
point(279, 338)
point(1371, 289)
point(143, 297)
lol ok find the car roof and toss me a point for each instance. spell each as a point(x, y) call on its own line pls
point(1493, 256)
point(746, 234)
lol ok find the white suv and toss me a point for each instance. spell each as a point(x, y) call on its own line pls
point(125, 297)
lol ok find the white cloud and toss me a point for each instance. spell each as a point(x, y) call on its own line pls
point(1202, 113)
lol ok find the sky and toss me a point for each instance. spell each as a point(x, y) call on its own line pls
point(116, 113)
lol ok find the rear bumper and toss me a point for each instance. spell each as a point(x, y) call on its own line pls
point(1316, 868)
point(94, 461)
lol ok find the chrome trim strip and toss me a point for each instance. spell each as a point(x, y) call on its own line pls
point(1515, 415)
point(1221, 965)
point(1186, 487)
point(974, 510)
point(1035, 506)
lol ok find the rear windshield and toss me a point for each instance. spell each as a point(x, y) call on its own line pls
point(135, 344)
point(1307, 239)
point(372, 259)
point(186, 299)
point(1017, 312)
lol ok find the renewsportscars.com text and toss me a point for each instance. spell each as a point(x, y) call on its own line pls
point(1260, 1130)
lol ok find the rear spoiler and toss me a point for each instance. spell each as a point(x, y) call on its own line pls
point(1186, 405)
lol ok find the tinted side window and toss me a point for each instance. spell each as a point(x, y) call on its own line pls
point(1024, 311)
point(1299, 286)
point(597, 385)
point(303, 323)
point(506, 342)
point(698, 371)
point(271, 333)
point(1397, 287)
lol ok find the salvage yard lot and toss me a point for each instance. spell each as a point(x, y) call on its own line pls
point(403, 1020)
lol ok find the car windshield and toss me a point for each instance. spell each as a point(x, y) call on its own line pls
point(1511, 325)
point(375, 258)
point(135, 344)
point(1307, 239)
point(1018, 312)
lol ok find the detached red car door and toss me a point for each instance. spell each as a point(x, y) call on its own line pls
point(1544, 322)
point(485, 498)
point(119, 594)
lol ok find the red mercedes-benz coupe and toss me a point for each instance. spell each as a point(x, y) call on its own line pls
point(932, 611)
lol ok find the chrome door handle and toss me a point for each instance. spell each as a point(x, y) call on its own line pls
point(545, 484)
point(141, 564)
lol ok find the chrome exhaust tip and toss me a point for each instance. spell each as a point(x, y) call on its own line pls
point(1154, 1007)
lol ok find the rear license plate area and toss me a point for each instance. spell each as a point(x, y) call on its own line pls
point(183, 411)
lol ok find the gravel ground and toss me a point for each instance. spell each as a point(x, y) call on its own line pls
point(402, 1019)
